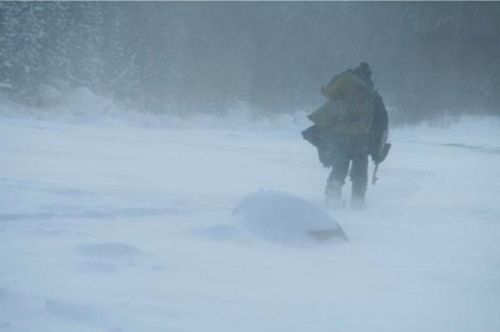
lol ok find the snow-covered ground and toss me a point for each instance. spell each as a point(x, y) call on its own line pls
point(111, 227)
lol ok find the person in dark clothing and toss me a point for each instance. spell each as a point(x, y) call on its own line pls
point(341, 148)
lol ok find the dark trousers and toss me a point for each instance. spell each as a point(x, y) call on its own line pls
point(353, 153)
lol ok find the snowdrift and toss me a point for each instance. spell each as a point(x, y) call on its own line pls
point(284, 218)
point(129, 230)
point(83, 106)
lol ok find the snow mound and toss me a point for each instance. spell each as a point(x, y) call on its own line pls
point(284, 218)
point(84, 105)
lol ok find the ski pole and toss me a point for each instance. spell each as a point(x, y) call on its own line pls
point(374, 177)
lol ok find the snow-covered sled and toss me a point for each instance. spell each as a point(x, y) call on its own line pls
point(286, 218)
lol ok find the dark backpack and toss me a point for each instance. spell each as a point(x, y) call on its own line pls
point(349, 110)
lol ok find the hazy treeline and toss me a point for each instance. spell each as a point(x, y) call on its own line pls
point(428, 58)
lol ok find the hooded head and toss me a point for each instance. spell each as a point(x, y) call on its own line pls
point(364, 72)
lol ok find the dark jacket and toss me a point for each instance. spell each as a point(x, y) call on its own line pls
point(330, 144)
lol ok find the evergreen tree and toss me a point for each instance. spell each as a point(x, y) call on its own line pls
point(23, 56)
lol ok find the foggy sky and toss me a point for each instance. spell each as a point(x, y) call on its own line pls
point(428, 58)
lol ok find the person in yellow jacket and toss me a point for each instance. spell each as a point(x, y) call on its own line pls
point(352, 125)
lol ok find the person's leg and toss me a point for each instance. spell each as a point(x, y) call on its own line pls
point(359, 178)
point(336, 180)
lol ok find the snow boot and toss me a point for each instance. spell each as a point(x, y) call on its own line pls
point(358, 198)
point(357, 203)
point(333, 193)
